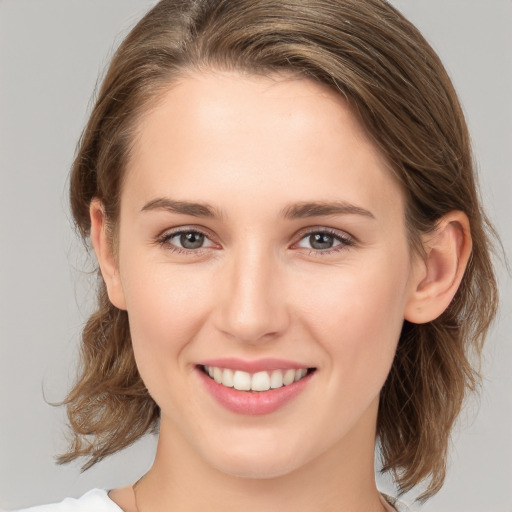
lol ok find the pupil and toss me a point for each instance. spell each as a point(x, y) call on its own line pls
point(191, 240)
point(321, 241)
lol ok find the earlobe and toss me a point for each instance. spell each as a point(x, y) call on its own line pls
point(102, 245)
point(439, 274)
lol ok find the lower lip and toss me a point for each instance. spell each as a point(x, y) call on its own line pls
point(253, 402)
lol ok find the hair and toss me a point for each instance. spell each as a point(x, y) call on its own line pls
point(379, 62)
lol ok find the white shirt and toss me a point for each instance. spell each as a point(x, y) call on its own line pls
point(97, 500)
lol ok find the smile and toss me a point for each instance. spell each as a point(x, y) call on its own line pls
point(259, 381)
point(254, 387)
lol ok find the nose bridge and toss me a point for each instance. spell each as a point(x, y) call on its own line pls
point(253, 306)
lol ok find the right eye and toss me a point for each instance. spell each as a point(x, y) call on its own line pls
point(185, 240)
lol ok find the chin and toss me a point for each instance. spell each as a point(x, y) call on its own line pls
point(257, 469)
point(257, 462)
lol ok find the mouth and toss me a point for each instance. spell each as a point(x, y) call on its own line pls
point(259, 381)
point(256, 387)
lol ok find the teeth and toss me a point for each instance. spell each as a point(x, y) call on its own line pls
point(276, 379)
point(300, 373)
point(288, 377)
point(260, 381)
point(228, 378)
point(217, 375)
point(242, 381)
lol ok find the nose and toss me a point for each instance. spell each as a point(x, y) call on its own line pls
point(252, 302)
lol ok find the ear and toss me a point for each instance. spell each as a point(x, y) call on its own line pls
point(437, 277)
point(102, 245)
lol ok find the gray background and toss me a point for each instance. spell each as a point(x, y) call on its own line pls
point(51, 52)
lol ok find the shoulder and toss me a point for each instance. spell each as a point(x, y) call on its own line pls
point(396, 504)
point(96, 500)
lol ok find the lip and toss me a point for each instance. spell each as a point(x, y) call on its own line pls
point(257, 365)
point(253, 403)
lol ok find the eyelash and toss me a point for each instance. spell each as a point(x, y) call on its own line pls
point(164, 241)
point(346, 241)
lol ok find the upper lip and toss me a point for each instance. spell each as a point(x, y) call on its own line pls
point(256, 365)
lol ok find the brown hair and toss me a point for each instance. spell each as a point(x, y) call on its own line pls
point(380, 63)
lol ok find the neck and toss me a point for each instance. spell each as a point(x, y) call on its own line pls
point(341, 479)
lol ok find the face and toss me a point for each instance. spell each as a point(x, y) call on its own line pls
point(262, 241)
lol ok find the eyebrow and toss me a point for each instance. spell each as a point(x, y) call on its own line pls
point(321, 208)
point(295, 211)
point(183, 207)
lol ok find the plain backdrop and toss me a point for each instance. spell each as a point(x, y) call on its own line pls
point(51, 54)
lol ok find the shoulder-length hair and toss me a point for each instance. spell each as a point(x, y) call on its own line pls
point(367, 52)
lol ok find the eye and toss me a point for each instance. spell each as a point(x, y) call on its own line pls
point(319, 241)
point(185, 240)
point(325, 241)
point(190, 240)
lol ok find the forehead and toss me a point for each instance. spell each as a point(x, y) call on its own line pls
point(284, 137)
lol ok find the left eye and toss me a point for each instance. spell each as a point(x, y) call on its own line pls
point(321, 241)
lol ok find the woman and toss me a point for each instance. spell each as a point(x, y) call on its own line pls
point(294, 261)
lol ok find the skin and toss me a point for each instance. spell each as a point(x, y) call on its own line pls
point(251, 147)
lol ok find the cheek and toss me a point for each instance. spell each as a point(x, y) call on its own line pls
point(166, 309)
point(160, 308)
point(357, 317)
